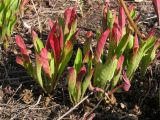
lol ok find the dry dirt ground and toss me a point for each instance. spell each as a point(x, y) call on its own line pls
point(21, 98)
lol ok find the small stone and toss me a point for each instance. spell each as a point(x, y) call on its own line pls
point(123, 106)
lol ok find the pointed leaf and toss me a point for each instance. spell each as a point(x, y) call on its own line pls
point(21, 45)
point(106, 73)
point(72, 76)
point(122, 19)
point(149, 57)
point(61, 39)
point(118, 71)
point(52, 31)
point(78, 60)
point(38, 44)
point(67, 53)
point(54, 42)
point(87, 57)
point(135, 60)
point(20, 61)
point(123, 43)
point(51, 23)
point(70, 17)
point(44, 62)
point(126, 84)
point(86, 82)
point(120, 62)
point(136, 44)
point(116, 32)
point(100, 44)
point(38, 68)
point(80, 77)
point(87, 44)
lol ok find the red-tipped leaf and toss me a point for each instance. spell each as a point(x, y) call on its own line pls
point(61, 39)
point(116, 31)
point(21, 45)
point(136, 45)
point(54, 42)
point(54, 27)
point(101, 43)
point(44, 62)
point(51, 23)
point(126, 84)
point(122, 18)
point(20, 60)
point(120, 62)
point(72, 80)
point(70, 16)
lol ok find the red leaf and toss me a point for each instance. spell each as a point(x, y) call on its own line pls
point(136, 45)
point(54, 42)
point(126, 84)
point(156, 4)
point(51, 23)
point(34, 37)
point(80, 76)
point(21, 45)
point(23, 49)
point(61, 38)
point(116, 31)
point(101, 43)
point(122, 18)
point(120, 62)
point(44, 61)
point(20, 60)
point(54, 27)
point(70, 16)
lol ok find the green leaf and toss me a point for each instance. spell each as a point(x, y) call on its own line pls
point(38, 68)
point(135, 60)
point(67, 53)
point(149, 57)
point(110, 19)
point(80, 77)
point(130, 43)
point(105, 73)
point(123, 43)
point(78, 60)
point(51, 63)
point(86, 82)
point(72, 31)
point(72, 76)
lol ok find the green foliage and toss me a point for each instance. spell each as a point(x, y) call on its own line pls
point(8, 11)
point(79, 76)
point(51, 58)
point(126, 52)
